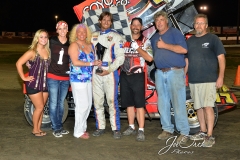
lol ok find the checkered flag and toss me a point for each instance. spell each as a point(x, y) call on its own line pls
point(120, 20)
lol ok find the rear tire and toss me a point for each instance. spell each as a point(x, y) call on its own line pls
point(46, 122)
point(192, 117)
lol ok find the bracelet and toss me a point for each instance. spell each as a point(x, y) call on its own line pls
point(91, 64)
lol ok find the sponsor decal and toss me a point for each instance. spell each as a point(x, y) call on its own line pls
point(121, 44)
point(105, 64)
point(205, 45)
point(109, 38)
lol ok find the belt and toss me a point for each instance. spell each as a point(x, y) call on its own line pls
point(129, 73)
point(168, 69)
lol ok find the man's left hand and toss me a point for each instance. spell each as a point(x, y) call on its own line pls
point(219, 83)
point(104, 73)
point(161, 43)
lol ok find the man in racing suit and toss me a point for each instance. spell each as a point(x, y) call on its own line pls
point(106, 82)
point(132, 79)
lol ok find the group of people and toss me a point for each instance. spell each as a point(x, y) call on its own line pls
point(202, 57)
point(94, 62)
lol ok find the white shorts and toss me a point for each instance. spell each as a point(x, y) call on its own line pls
point(203, 94)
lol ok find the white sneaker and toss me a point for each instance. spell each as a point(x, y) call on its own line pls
point(57, 134)
point(64, 131)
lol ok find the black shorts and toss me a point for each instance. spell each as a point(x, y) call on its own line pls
point(132, 90)
point(33, 91)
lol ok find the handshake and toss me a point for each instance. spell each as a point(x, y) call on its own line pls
point(134, 45)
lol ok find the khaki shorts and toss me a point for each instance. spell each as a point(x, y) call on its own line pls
point(203, 94)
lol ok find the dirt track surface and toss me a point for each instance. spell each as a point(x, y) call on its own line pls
point(18, 143)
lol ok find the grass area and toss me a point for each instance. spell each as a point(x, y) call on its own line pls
point(9, 53)
point(13, 48)
point(232, 62)
point(9, 58)
point(232, 57)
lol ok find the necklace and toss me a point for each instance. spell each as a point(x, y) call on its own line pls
point(82, 46)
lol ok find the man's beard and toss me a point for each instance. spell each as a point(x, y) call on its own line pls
point(199, 32)
point(136, 31)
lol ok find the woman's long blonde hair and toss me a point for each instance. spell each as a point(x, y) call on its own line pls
point(33, 46)
point(73, 33)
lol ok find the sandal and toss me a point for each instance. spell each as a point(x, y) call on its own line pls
point(43, 133)
point(86, 133)
point(37, 134)
point(84, 136)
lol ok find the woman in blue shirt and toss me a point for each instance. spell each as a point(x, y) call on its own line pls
point(81, 53)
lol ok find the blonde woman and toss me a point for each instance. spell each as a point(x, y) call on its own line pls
point(81, 53)
point(38, 56)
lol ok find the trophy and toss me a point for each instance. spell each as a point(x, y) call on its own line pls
point(100, 53)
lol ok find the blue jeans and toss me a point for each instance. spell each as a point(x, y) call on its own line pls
point(57, 93)
point(171, 89)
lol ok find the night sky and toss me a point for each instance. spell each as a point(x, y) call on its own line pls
point(31, 15)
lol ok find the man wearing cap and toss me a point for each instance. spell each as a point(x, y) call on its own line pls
point(105, 80)
point(132, 79)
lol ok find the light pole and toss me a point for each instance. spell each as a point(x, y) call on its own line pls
point(203, 8)
point(56, 17)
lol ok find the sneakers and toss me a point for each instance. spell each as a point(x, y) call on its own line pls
point(182, 139)
point(116, 134)
point(209, 141)
point(198, 136)
point(129, 131)
point(98, 132)
point(165, 135)
point(140, 136)
point(57, 134)
point(64, 131)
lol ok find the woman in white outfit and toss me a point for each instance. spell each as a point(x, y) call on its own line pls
point(81, 53)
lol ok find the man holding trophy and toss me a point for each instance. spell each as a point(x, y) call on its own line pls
point(109, 49)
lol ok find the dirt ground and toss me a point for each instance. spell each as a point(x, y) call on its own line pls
point(18, 143)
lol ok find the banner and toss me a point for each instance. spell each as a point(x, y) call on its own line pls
point(8, 34)
point(182, 10)
point(229, 30)
point(24, 34)
point(120, 20)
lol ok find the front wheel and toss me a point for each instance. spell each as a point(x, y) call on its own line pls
point(46, 122)
point(192, 117)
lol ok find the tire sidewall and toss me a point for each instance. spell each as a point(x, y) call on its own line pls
point(196, 127)
point(46, 122)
